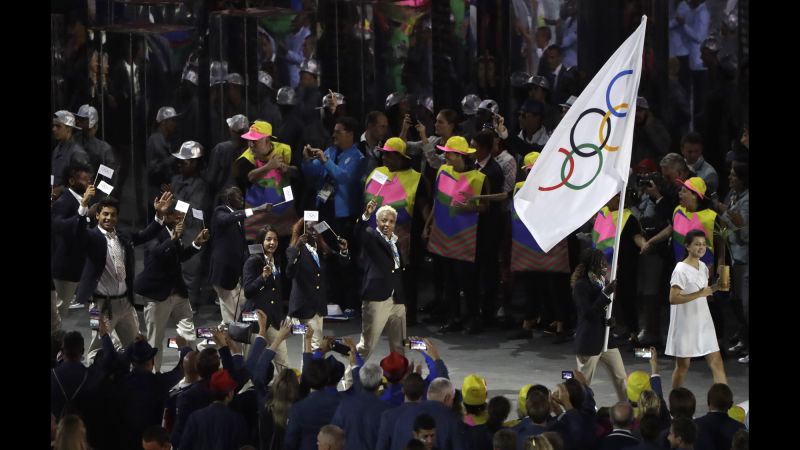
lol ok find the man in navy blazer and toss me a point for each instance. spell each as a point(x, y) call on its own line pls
point(228, 250)
point(716, 427)
point(621, 436)
point(161, 283)
point(108, 273)
point(359, 415)
point(450, 430)
point(382, 295)
point(309, 415)
point(308, 261)
point(68, 252)
point(198, 395)
point(216, 426)
point(413, 388)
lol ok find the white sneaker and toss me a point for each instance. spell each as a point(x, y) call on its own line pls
point(744, 359)
point(76, 305)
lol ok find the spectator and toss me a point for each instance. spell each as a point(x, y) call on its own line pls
point(695, 28)
point(219, 173)
point(504, 439)
point(71, 434)
point(480, 435)
point(444, 127)
point(538, 443)
point(563, 79)
point(99, 151)
point(692, 150)
point(741, 440)
point(621, 437)
point(413, 389)
point(469, 107)
point(425, 430)
point(67, 253)
point(308, 416)
point(198, 395)
point(691, 329)
point(573, 402)
point(284, 393)
point(716, 426)
point(678, 44)
point(651, 139)
point(532, 135)
point(569, 33)
point(267, 109)
point(359, 415)
point(216, 426)
point(190, 376)
point(682, 433)
point(537, 405)
point(375, 134)
point(331, 437)
point(449, 428)
point(474, 392)
point(260, 359)
point(649, 428)
point(156, 438)
point(67, 151)
point(160, 166)
point(590, 292)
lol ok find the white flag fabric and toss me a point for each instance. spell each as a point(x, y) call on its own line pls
point(182, 206)
point(586, 161)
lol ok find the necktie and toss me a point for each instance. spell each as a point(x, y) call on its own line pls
point(117, 256)
point(395, 254)
point(316, 258)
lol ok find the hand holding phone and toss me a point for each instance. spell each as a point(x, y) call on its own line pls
point(249, 316)
point(643, 353)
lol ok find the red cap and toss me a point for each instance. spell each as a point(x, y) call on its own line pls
point(221, 381)
point(394, 366)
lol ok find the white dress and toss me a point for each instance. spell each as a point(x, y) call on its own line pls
point(691, 329)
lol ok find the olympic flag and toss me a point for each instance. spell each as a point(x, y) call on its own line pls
point(586, 161)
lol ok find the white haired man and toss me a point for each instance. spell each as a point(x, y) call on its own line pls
point(382, 296)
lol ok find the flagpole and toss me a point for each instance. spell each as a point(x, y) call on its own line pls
point(615, 258)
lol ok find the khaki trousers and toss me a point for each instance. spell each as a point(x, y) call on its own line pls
point(227, 303)
point(612, 360)
point(377, 316)
point(156, 316)
point(123, 320)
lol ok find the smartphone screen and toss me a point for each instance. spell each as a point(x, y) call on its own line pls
point(204, 333)
point(567, 374)
point(172, 343)
point(418, 345)
point(299, 329)
point(94, 319)
point(249, 316)
point(643, 353)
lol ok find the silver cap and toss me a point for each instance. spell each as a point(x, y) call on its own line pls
point(88, 112)
point(469, 104)
point(238, 123)
point(265, 79)
point(538, 80)
point(66, 118)
point(427, 102)
point(489, 105)
point(191, 76)
point(286, 96)
point(189, 150)
point(234, 78)
point(339, 98)
point(166, 112)
point(519, 79)
point(311, 66)
point(394, 99)
point(219, 70)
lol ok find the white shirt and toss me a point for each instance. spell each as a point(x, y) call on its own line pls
point(539, 137)
point(509, 166)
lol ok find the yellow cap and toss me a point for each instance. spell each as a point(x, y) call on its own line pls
point(474, 390)
point(737, 413)
point(529, 159)
point(457, 144)
point(396, 145)
point(258, 130)
point(297, 372)
point(696, 185)
point(637, 382)
point(523, 395)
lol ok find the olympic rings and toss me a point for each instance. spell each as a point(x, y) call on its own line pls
point(608, 93)
point(576, 148)
point(599, 167)
point(563, 179)
point(611, 148)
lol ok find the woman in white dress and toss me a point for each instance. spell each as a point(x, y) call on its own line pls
point(691, 330)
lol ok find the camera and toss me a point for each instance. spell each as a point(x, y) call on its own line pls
point(567, 374)
point(299, 329)
point(643, 353)
point(249, 316)
point(415, 344)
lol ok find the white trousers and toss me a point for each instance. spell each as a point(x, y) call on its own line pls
point(156, 316)
point(227, 303)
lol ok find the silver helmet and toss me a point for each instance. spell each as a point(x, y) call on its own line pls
point(286, 96)
point(469, 104)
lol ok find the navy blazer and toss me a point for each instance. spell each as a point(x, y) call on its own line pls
point(215, 427)
point(359, 415)
point(228, 247)
point(388, 419)
point(309, 294)
point(717, 429)
point(262, 294)
point(68, 248)
point(381, 279)
point(618, 440)
point(96, 249)
point(450, 430)
point(590, 331)
point(196, 397)
point(162, 267)
point(307, 416)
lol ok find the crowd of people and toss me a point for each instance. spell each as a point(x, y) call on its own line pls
point(305, 212)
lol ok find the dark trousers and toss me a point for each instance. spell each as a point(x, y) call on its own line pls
point(487, 264)
point(343, 281)
point(547, 296)
point(460, 276)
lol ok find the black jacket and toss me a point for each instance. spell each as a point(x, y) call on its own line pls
point(228, 247)
point(590, 305)
point(162, 267)
point(381, 279)
point(96, 249)
point(309, 295)
point(263, 294)
point(68, 250)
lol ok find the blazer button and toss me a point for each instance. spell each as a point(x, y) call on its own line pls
point(273, 289)
point(317, 274)
point(272, 303)
point(317, 287)
point(392, 270)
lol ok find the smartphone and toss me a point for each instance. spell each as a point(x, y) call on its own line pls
point(172, 343)
point(250, 316)
point(339, 347)
point(643, 353)
point(416, 344)
point(299, 329)
point(567, 374)
point(94, 319)
point(204, 333)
